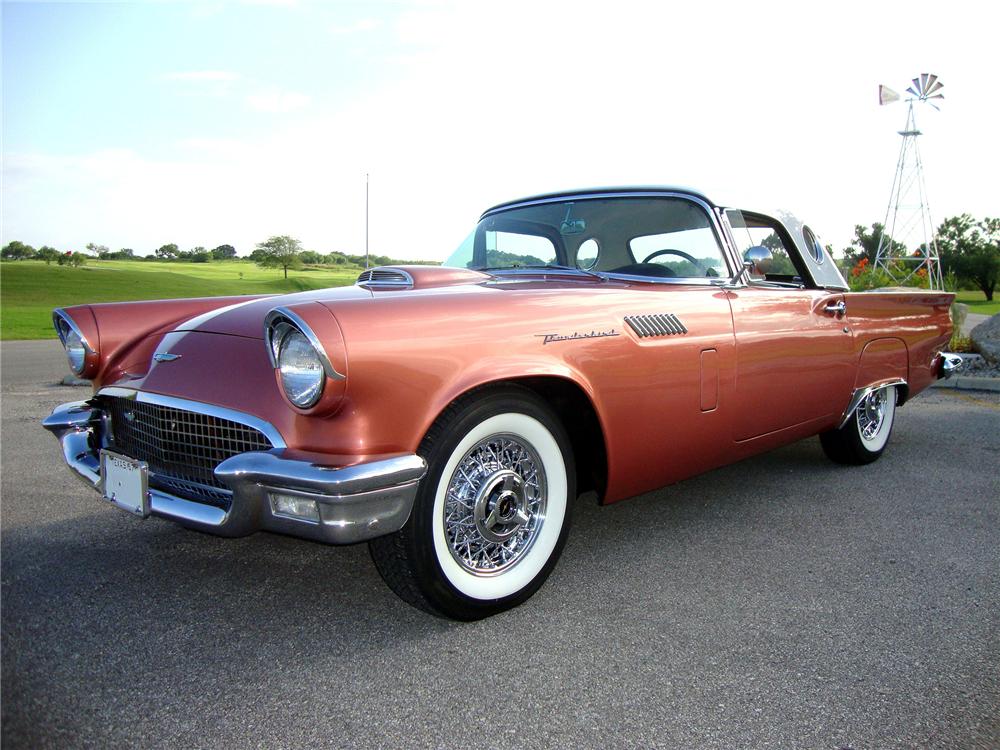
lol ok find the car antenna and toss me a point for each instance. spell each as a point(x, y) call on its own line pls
point(366, 221)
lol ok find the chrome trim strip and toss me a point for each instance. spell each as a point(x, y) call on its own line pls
point(283, 312)
point(861, 393)
point(270, 432)
point(192, 324)
point(60, 314)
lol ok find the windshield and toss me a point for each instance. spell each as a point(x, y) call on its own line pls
point(641, 236)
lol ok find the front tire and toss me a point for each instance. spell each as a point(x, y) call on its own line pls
point(865, 435)
point(492, 514)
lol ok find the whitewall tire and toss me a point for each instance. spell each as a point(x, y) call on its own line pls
point(863, 438)
point(491, 516)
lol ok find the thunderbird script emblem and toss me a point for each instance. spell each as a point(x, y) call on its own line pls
point(166, 357)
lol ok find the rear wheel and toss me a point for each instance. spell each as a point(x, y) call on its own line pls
point(491, 516)
point(865, 435)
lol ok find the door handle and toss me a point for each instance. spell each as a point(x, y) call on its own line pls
point(838, 308)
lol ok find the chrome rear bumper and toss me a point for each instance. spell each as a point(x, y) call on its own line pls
point(355, 501)
point(948, 364)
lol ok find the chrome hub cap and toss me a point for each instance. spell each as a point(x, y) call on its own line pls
point(871, 413)
point(495, 505)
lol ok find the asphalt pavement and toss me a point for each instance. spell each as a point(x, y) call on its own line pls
point(783, 602)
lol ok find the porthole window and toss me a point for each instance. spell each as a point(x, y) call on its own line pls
point(813, 244)
point(587, 254)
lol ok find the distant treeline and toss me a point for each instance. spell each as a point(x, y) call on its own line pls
point(16, 250)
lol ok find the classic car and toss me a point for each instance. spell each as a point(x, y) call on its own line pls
point(610, 341)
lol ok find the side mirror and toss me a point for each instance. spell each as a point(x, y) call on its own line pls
point(756, 256)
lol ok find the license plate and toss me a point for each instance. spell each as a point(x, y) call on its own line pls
point(125, 482)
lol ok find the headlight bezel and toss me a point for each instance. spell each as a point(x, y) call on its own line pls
point(279, 325)
point(70, 335)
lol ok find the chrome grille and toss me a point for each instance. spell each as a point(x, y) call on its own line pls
point(655, 325)
point(182, 447)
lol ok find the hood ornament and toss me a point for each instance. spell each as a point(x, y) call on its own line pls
point(165, 357)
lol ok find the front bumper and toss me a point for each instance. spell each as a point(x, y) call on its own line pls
point(355, 501)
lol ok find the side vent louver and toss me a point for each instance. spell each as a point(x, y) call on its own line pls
point(647, 326)
point(385, 277)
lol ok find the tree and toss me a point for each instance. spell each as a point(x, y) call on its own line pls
point(72, 259)
point(167, 252)
point(15, 250)
point(280, 252)
point(48, 254)
point(865, 244)
point(98, 251)
point(971, 249)
point(224, 252)
point(311, 257)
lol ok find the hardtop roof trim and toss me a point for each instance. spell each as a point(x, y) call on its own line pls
point(599, 191)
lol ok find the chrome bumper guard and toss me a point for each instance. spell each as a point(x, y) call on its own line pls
point(355, 502)
point(949, 364)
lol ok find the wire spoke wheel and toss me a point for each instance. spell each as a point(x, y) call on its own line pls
point(495, 505)
point(491, 516)
point(871, 414)
point(863, 438)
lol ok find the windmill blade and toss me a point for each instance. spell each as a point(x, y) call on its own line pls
point(924, 77)
point(911, 91)
point(931, 80)
point(886, 95)
point(934, 87)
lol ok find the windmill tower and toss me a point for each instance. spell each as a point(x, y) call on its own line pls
point(907, 248)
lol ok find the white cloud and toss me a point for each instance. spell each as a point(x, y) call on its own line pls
point(361, 26)
point(277, 101)
point(202, 75)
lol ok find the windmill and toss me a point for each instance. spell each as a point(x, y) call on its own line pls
point(907, 245)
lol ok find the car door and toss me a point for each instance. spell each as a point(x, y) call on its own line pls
point(794, 349)
point(793, 358)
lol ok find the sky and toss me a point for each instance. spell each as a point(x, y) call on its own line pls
point(206, 123)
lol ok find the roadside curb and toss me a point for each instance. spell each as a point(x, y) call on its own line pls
point(969, 384)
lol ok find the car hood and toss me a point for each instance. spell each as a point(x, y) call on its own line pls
point(246, 317)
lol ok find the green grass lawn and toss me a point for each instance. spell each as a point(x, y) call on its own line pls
point(30, 289)
point(977, 302)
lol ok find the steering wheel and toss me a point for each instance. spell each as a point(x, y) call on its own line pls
point(681, 253)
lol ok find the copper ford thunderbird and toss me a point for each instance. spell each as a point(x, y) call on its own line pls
point(610, 341)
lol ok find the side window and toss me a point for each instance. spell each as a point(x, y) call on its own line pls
point(690, 252)
point(505, 249)
point(759, 231)
point(588, 254)
point(683, 245)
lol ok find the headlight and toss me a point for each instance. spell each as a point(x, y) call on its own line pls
point(307, 375)
point(302, 373)
point(73, 342)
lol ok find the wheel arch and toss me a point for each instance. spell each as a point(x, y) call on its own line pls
point(576, 411)
point(884, 361)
